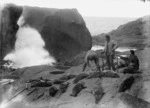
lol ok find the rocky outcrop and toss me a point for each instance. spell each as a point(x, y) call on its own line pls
point(63, 30)
point(132, 34)
point(9, 17)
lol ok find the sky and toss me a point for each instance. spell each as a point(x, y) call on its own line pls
point(96, 8)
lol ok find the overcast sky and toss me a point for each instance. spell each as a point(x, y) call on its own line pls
point(99, 8)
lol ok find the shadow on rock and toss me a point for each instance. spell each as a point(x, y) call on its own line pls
point(132, 101)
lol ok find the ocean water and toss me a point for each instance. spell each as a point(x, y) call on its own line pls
point(120, 49)
point(98, 25)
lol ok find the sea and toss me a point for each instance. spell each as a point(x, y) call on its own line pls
point(119, 49)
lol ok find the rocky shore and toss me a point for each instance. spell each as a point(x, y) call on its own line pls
point(37, 84)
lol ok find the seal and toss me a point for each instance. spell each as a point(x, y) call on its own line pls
point(98, 94)
point(77, 88)
point(80, 77)
point(52, 91)
point(63, 87)
point(58, 81)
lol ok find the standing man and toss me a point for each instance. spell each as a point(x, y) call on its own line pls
point(109, 51)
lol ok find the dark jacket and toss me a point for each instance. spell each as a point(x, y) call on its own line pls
point(132, 60)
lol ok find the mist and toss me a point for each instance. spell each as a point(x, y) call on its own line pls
point(29, 49)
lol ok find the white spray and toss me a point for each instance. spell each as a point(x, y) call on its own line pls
point(6, 103)
point(29, 48)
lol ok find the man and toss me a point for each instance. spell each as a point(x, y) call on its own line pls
point(132, 62)
point(109, 51)
point(91, 56)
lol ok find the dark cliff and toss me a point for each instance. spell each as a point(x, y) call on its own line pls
point(9, 17)
point(63, 30)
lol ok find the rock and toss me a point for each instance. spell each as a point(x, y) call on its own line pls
point(38, 97)
point(77, 60)
point(130, 34)
point(32, 91)
point(132, 101)
point(8, 76)
point(10, 15)
point(61, 67)
point(63, 30)
point(80, 77)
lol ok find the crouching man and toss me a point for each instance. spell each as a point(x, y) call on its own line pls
point(132, 63)
point(91, 56)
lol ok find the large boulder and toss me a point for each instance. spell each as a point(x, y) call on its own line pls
point(8, 28)
point(63, 30)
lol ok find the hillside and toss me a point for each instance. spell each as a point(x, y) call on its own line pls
point(98, 25)
point(133, 34)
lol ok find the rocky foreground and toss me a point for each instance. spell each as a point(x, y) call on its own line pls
point(54, 89)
